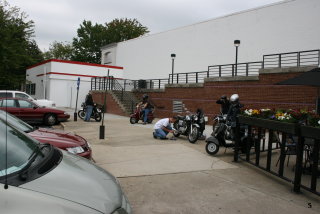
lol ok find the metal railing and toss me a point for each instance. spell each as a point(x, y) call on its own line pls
point(301, 175)
point(150, 83)
point(118, 86)
point(290, 59)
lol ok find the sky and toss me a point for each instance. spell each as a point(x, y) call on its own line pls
point(58, 20)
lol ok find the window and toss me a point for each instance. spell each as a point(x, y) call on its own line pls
point(108, 58)
point(8, 103)
point(25, 104)
point(5, 94)
point(20, 95)
point(31, 89)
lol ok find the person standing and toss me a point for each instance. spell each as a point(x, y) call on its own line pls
point(89, 105)
point(163, 127)
point(225, 104)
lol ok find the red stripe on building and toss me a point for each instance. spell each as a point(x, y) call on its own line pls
point(74, 62)
point(67, 74)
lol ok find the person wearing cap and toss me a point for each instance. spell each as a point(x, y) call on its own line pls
point(163, 127)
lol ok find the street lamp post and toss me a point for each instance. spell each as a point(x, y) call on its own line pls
point(172, 57)
point(236, 44)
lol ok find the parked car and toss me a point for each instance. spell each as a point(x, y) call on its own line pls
point(39, 178)
point(21, 94)
point(31, 112)
point(74, 144)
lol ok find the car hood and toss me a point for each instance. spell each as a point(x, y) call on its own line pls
point(78, 180)
point(57, 138)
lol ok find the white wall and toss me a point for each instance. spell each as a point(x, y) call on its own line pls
point(282, 27)
point(61, 80)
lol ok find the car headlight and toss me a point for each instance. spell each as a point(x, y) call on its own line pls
point(66, 113)
point(75, 150)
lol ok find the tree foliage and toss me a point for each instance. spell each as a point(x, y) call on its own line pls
point(59, 50)
point(120, 30)
point(17, 49)
point(87, 45)
point(88, 42)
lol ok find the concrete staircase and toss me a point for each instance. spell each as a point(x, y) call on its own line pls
point(127, 101)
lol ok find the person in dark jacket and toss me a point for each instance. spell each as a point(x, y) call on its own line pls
point(89, 104)
point(225, 104)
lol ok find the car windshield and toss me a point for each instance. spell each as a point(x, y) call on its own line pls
point(16, 149)
point(16, 122)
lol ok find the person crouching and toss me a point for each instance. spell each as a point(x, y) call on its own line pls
point(163, 127)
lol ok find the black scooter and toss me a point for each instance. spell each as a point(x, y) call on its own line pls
point(223, 135)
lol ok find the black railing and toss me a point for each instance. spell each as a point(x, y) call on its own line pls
point(243, 69)
point(301, 146)
point(102, 83)
point(290, 59)
point(150, 83)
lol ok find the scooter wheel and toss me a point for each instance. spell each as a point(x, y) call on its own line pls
point(212, 148)
point(133, 120)
point(98, 117)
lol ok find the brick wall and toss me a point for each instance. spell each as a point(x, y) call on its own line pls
point(262, 93)
point(111, 104)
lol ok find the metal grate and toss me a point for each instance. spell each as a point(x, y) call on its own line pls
point(177, 106)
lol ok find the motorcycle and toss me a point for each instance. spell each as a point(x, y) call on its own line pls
point(138, 115)
point(96, 112)
point(223, 135)
point(188, 126)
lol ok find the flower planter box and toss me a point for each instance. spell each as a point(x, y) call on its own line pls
point(311, 132)
point(290, 128)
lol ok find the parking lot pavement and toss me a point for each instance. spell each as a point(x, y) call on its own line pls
point(164, 176)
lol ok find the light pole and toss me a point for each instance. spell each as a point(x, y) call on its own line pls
point(172, 57)
point(236, 44)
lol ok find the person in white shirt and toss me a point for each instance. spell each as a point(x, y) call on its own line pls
point(163, 127)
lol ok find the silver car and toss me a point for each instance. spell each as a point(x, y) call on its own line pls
point(43, 179)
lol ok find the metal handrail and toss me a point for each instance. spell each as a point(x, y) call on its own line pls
point(289, 59)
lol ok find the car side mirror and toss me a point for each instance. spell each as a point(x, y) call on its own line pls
point(35, 107)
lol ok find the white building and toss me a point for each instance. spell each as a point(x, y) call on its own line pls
point(288, 26)
point(56, 80)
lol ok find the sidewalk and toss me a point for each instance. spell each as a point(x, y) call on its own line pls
point(164, 176)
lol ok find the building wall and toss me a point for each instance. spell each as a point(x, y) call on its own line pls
point(60, 80)
point(287, 26)
point(261, 93)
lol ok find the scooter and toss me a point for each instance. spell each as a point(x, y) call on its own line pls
point(96, 112)
point(188, 126)
point(223, 135)
point(138, 115)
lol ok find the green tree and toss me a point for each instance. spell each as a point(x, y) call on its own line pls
point(17, 49)
point(91, 37)
point(59, 50)
point(88, 43)
point(119, 30)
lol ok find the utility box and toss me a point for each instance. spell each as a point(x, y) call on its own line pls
point(142, 84)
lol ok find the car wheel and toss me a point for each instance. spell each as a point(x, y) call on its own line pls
point(50, 119)
point(82, 114)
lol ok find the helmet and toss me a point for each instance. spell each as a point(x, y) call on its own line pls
point(145, 96)
point(234, 98)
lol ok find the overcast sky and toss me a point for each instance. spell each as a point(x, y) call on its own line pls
point(58, 20)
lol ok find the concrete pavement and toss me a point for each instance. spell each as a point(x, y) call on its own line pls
point(165, 176)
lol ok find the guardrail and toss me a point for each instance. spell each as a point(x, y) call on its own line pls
point(290, 59)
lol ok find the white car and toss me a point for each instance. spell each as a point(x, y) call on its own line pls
point(20, 94)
